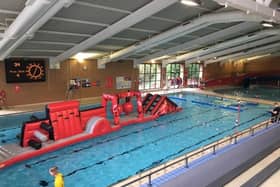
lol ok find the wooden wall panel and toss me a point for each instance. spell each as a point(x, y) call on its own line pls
point(55, 87)
point(233, 69)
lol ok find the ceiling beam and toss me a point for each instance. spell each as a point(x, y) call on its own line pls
point(120, 10)
point(24, 20)
point(102, 24)
point(190, 45)
point(41, 50)
point(102, 7)
point(252, 7)
point(28, 22)
point(264, 2)
point(99, 24)
point(51, 43)
point(130, 20)
point(232, 46)
point(81, 35)
point(4, 11)
point(179, 31)
point(257, 51)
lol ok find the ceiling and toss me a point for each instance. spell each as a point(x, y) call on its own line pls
point(140, 30)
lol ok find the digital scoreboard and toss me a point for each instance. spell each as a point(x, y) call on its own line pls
point(25, 70)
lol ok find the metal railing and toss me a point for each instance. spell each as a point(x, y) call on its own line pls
point(187, 158)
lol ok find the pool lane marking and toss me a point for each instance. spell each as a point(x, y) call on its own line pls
point(184, 149)
point(115, 138)
point(157, 162)
point(8, 129)
point(141, 146)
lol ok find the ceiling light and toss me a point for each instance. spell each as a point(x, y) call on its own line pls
point(161, 57)
point(257, 57)
point(267, 23)
point(80, 57)
point(226, 5)
point(191, 2)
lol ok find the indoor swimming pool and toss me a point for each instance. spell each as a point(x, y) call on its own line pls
point(267, 93)
point(111, 158)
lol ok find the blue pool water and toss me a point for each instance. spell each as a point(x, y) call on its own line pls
point(105, 160)
point(267, 93)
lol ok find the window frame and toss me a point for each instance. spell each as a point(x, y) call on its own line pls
point(149, 76)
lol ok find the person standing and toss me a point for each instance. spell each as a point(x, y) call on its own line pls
point(58, 177)
point(275, 112)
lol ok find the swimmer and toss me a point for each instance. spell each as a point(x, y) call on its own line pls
point(58, 177)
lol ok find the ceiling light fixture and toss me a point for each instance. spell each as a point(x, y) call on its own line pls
point(80, 57)
point(191, 2)
point(160, 58)
point(226, 4)
point(257, 57)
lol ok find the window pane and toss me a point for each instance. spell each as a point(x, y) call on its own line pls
point(153, 84)
point(158, 68)
point(158, 84)
point(147, 85)
point(141, 85)
point(147, 68)
point(147, 77)
point(153, 77)
point(158, 77)
point(141, 68)
point(151, 73)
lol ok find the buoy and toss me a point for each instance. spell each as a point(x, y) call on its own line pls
point(127, 107)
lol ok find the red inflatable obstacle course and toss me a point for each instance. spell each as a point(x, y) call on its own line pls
point(127, 108)
point(66, 124)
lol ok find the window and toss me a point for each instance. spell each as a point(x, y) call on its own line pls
point(174, 71)
point(195, 74)
point(149, 76)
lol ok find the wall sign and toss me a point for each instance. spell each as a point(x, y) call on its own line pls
point(123, 82)
point(25, 70)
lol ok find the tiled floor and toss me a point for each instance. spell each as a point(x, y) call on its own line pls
point(273, 181)
point(245, 176)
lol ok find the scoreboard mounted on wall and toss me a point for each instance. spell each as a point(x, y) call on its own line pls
point(25, 70)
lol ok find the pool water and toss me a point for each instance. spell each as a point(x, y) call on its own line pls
point(267, 93)
point(108, 159)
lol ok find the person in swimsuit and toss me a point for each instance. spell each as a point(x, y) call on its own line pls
point(58, 177)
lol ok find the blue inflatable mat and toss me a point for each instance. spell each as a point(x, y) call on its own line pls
point(177, 98)
point(234, 108)
point(202, 103)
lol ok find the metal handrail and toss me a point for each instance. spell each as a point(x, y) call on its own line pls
point(213, 146)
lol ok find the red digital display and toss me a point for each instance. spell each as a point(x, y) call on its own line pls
point(25, 70)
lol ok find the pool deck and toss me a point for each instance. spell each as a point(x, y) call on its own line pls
point(41, 106)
